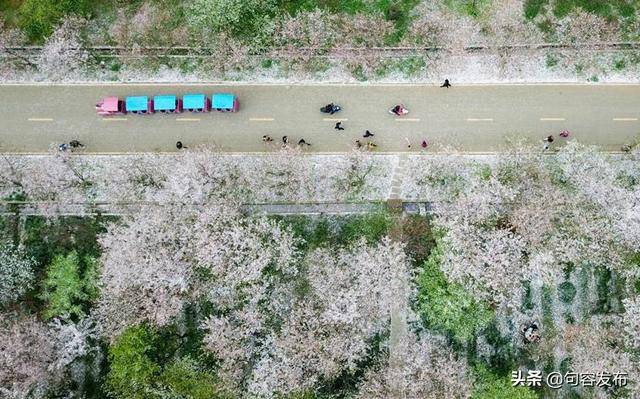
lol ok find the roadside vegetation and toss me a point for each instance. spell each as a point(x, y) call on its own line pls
point(213, 301)
point(318, 39)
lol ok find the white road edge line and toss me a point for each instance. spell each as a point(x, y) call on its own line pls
point(625, 119)
point(552, 119)
point(335, 119)
point(261, 119)
point(188, 119)
point(40, 119)
point(407, 120)
point(479, 119)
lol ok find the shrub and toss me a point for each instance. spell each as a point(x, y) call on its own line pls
point(491, 386)
point(38, 17)
point(552, 60)
point(66, 288)
point(184, 379)
point(533, 7)
point(472, 8)
point(566, 292)
point(446, 306)
point(372, 227)
point(132, 370)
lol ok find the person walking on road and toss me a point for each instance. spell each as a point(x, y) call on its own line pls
point(446, 84)
point(338, 126)
point(371, 145)
point(358, 144)
point(408, 143)
point(266, 138)
point(424, 144)
point(301, 142)
point(368, 134)
point(285, 140)
point(547, 142)
point(179, 145)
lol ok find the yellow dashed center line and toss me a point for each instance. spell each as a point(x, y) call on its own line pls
point(552, 119)
point(261, 119)
point(40, 119)
point(625, 119)
point(479, 119)
point(407, 120)
point(188, 119)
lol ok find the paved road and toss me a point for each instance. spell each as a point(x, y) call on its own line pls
point(474, 118)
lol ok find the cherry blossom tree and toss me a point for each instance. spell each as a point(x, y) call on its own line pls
point(352, 297)
point(16, 273)
point(597, 346)
point(631, 322)
point(27, 356)
point(420, 367)
point(163, 257)
point(63, 56)
point(528, 215)
point(145, 274)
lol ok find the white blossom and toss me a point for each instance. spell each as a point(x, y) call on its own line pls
point(63, 54)
point(16, 273)
point(420, 367)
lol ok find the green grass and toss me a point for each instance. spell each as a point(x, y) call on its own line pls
point(347, 6)
point(38, 18)
point(411, 66)
point(44, 239)
point(527, 297)
point(547, 311)
point(490, 386)
point(472, 8)
point(608, 9)
point(358, 72)
point(9, 12)
point(447, 307)
point(611, 9)
point(533, 7)
point(371, 227)
point(338, 230)
point(566, 292)
point(619, 64)
point(552, 60)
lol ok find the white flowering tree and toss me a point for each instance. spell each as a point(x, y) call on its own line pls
point(352, 296)
point(631, 320)
point(528, 215)
point(36, 357)
point(420, 367)
point(156, 261)
point(63, 55)
point(27, 356)
point(16, 273)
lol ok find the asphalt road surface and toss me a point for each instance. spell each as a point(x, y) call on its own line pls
point(478, 118)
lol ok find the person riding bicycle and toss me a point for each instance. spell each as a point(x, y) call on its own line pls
point(399, 110)
point(330, 108)
point(75, 144)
